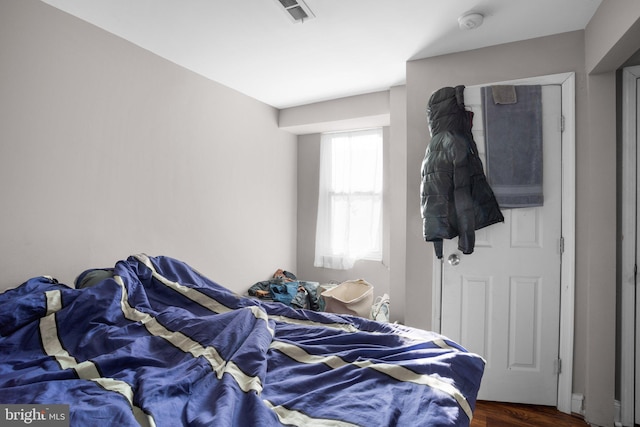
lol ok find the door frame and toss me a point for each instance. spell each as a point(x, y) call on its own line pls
point(568, 220)
point(629, 221)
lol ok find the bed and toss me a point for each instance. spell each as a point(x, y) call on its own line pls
point(158, 344)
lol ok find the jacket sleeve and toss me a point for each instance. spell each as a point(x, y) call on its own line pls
point(462, 195)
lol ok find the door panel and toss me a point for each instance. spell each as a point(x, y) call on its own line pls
point(503, 301)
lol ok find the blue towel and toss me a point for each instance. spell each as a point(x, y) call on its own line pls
point(513, 138)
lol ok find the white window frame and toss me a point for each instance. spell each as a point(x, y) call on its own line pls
point(335, 244)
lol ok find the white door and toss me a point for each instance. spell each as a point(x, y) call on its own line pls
point(503, 301)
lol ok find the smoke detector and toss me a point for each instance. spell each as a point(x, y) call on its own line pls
point(470, 21)
point(296, 10)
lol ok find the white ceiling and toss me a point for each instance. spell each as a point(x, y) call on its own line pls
point(351, 47)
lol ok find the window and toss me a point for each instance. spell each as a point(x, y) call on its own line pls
point(349, 223)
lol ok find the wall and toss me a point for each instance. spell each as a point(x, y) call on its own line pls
point(374, 272)
point(537, 57)
point(362, 111)
point(108, 150)
point(612, 35)
point(609, 40)
point(398, 203)
point(596, 257)
point(343, 114)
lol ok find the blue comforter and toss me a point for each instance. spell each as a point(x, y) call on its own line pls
point(158, 344)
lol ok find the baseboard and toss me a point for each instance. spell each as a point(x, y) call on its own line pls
point(577, 404)
point(617, 413)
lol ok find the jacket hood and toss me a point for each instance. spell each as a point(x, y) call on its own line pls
point(446, 111)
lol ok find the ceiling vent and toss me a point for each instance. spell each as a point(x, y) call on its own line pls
point(296, 10)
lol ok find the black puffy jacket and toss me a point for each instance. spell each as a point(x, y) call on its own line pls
point(456, 197)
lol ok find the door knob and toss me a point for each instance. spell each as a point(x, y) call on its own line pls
point(453, 259)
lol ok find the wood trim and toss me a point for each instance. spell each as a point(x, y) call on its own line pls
point(567, 272)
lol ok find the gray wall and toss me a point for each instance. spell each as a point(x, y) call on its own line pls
point(388, 109)
point(374, 272)
point(594, 55)
point(107, 150)
point(536, 57)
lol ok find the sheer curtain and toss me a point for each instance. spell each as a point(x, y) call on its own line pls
point(349, 223)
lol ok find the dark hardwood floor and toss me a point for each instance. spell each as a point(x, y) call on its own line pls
point(497, 414)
